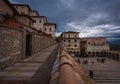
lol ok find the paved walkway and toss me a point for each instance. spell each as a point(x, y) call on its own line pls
point(107, 73)
point(33, 70)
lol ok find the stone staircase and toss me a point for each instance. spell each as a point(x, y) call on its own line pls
point(107, 73)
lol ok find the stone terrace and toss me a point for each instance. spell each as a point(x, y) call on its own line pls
point(107, 73)
point(31, 69)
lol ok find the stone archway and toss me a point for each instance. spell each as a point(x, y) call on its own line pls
point(93, 54)
point(107, 54)
point(110, 55)
point(101, 54)
point(113, 56)
point(89, 53)
point(97, 54)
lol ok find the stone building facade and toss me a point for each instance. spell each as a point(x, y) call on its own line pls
point(72, 42)
point(18, 38)
point(40, 22)
point(34, 13)
point(23, 9)
point(95, 46)
point(50, 28)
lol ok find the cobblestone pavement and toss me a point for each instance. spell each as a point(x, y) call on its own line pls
point(33, 70)
point(104, 73)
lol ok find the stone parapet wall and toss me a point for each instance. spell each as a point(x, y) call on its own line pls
point(13, 44)
point(40, 42)
point(67, 71)
point(10, 45)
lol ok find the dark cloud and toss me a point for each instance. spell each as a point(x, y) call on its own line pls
point(90, 17)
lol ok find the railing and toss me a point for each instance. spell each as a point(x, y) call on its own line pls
point(67, 71)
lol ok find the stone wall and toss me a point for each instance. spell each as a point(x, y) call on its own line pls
point(13, 44)
point(10, 45)
point(40, 42)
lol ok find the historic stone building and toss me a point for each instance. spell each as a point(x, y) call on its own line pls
point(94, 46)
point(72, 42)
point(18, 37)
point(40, 22)
point(50, 28)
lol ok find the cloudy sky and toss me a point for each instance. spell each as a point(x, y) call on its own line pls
point(92, 18)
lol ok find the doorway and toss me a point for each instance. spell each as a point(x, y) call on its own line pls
point(28, 44)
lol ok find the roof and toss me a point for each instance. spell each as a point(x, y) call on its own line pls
point(70, 32)
point(25, 16)
point(10, 5)
point(40, 17)
point(35, 11)
point(22, 5)
point(50, 24)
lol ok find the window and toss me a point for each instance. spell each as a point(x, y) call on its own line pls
point(39, 21)
point(64, 35)
point(75, 35)
point(22, 12)
point(68, 45)
point(35, 21)
point(68, 40)
point(88, 42)
point(64, 40)
point(75, 45)
point(45, 29)
point(40, 28)
point(50, 29)
point(69, 36)
point(75, 40)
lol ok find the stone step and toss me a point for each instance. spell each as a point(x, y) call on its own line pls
point(107, 81)
point(107, 78)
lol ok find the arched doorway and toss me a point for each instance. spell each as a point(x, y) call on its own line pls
point(93, 54)
point(97, 54)
point(101, 54)
point(113, 56)
point(109, 54)
point(89, 53)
